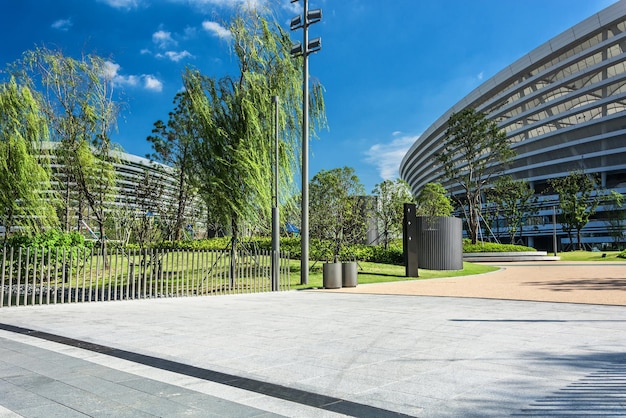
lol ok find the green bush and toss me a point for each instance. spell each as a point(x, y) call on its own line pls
point(322, 250)
point(53, 238)
point(489, 247)
point(318, 249)
point(622, 254)
point(52, 246)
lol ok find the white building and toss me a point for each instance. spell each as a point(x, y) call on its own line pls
point(563, 107)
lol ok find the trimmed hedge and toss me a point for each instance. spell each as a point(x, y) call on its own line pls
point(318, 249)
point(492, 247)
point(322, 250)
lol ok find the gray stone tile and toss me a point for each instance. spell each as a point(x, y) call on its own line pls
point(417, 355)
point(5, 413)
point(50, 411)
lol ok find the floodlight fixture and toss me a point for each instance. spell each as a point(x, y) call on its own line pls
point(296, 23)
point(314, 45)
point(313, 16)
point(296, 50)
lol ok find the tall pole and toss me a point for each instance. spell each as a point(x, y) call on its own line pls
point(275, 210)
point(554, 229)
point(304, 230)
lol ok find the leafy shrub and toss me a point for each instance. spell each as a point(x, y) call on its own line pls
point(488, 247)
point(322, 250)
point(622, 254)
point(50, 247)
point(53, 238)
point(318, 249)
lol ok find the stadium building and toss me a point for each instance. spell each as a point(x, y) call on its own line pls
point(563, 108)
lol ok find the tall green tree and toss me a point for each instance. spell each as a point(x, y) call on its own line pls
point(338, 208)
point(475, 150)
point(389, 207)
point(173, 144)
point(579, 198)
point(513, 200)
point(25, 188)
point(433, 201)
point(78, 101)
point(233, 150)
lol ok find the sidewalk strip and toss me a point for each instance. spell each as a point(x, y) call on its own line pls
point(328, 403)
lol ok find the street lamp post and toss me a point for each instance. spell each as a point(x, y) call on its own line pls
point(304, 49)
point(275, 210)
point(554, 229)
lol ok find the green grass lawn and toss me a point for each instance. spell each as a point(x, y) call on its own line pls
point(378, 273)
point(590, 256)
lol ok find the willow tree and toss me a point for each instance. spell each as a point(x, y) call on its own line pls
point(78, 101)
point(24, 180)
point(235, 116)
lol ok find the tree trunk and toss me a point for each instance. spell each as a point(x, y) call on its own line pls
point(473, 225)
point(571, 239)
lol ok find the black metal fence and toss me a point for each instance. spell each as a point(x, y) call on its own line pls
point(30, 276)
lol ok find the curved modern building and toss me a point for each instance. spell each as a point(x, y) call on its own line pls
point(563, 108)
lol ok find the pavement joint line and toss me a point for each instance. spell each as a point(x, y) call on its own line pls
point(324, 402)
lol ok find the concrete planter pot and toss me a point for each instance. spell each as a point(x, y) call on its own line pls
point(332, 275)
point(349, 274)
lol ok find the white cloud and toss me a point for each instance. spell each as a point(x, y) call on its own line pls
point(253, 4)
point(481, 75)
point(163, 39)
point(150, 82)
point(110, 70)
point(174, 55)
point(216, 29)
point(122, 4)
point(387, 156)
point(177, 56)
point(62, 24)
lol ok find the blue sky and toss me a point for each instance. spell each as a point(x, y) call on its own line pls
point(390, 68)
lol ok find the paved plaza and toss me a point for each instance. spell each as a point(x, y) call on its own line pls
point(374, 353)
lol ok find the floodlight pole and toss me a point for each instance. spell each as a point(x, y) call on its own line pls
point(305, 49)
point(304, 230)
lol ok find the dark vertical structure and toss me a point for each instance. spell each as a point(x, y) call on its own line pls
point(409, 240)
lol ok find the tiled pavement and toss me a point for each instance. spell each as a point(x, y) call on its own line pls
point(313, 354)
